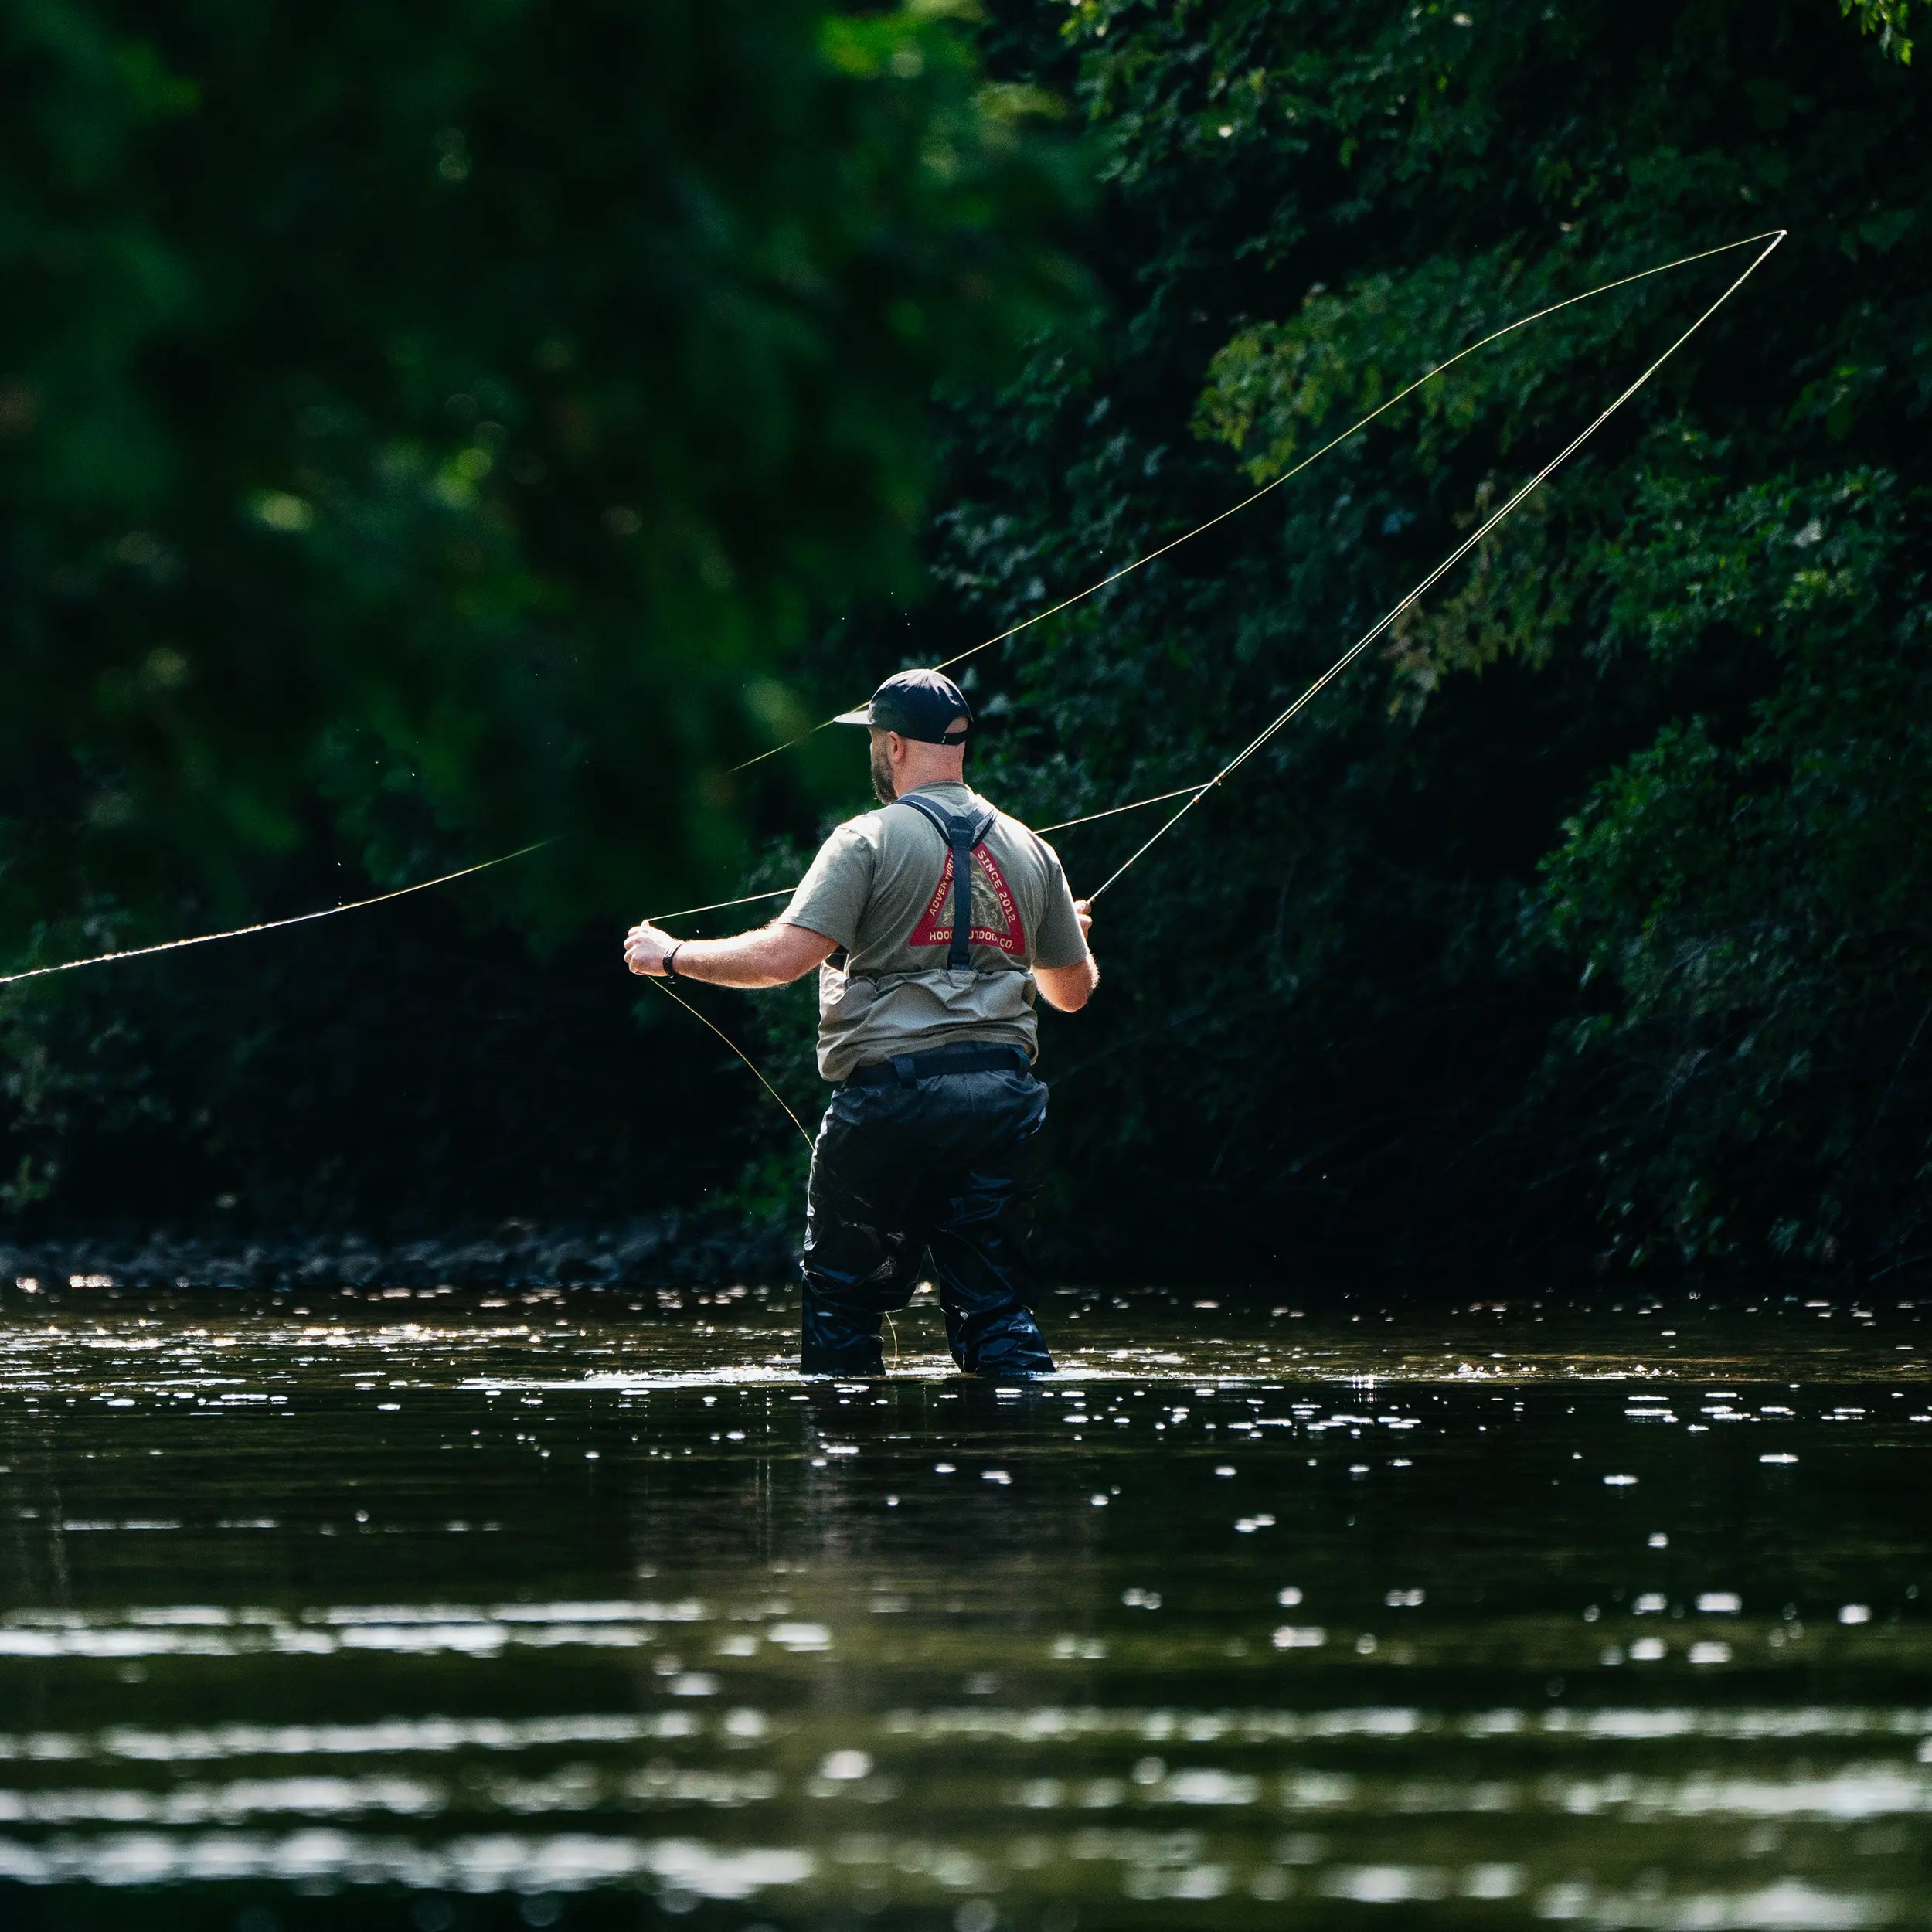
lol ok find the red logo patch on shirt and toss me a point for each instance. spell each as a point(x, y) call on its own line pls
point(995, 914)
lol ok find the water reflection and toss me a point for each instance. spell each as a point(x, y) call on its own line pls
point(556, 1607)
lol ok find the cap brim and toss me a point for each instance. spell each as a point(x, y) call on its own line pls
point(862, 716)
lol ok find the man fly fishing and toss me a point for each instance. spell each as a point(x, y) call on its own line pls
point(933, 921)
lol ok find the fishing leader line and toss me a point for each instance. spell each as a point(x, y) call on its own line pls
point(804, 1132)
point(1773, 235)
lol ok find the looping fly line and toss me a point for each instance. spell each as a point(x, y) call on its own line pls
point(1190, 794)
point(1772, 236)
point(270, 925)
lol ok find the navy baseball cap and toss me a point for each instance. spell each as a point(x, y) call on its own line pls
point(916, 704)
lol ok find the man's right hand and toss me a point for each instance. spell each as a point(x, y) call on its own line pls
point(1084, 912)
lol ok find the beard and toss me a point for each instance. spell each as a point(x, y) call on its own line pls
point(883, 789)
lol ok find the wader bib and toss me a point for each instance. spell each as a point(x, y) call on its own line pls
point(965, 834)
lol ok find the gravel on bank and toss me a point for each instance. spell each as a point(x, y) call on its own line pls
point(678, 1250)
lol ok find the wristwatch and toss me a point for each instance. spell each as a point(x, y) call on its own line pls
point(671, 962)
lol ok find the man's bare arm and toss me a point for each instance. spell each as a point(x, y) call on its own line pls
point(773, 955)
point(1068, 988)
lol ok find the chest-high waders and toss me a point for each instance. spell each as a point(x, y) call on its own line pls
point(930, 1153)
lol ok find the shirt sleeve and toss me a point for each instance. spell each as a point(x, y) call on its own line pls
point(831, 898)
point(1060, 942)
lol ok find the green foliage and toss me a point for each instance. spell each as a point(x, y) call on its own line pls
point(440, 424)
point(1887, 19)
point(1756, 898)
point(1580, 921)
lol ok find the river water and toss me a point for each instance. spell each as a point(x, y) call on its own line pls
point(435, 1611)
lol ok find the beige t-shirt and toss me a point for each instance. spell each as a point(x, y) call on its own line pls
point(882, 886)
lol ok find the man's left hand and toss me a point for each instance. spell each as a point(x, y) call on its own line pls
point(645, 947)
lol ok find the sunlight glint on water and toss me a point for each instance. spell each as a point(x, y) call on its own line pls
point(557, 1608)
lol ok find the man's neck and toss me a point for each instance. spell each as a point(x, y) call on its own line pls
point(941, 768)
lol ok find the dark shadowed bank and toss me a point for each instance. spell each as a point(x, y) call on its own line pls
point(1587, 926)
point(718, 1247)
point(647, 1252)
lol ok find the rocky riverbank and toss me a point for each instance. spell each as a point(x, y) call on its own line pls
point(677, 1249)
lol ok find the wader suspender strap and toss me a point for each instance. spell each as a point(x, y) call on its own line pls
point(962, 833)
